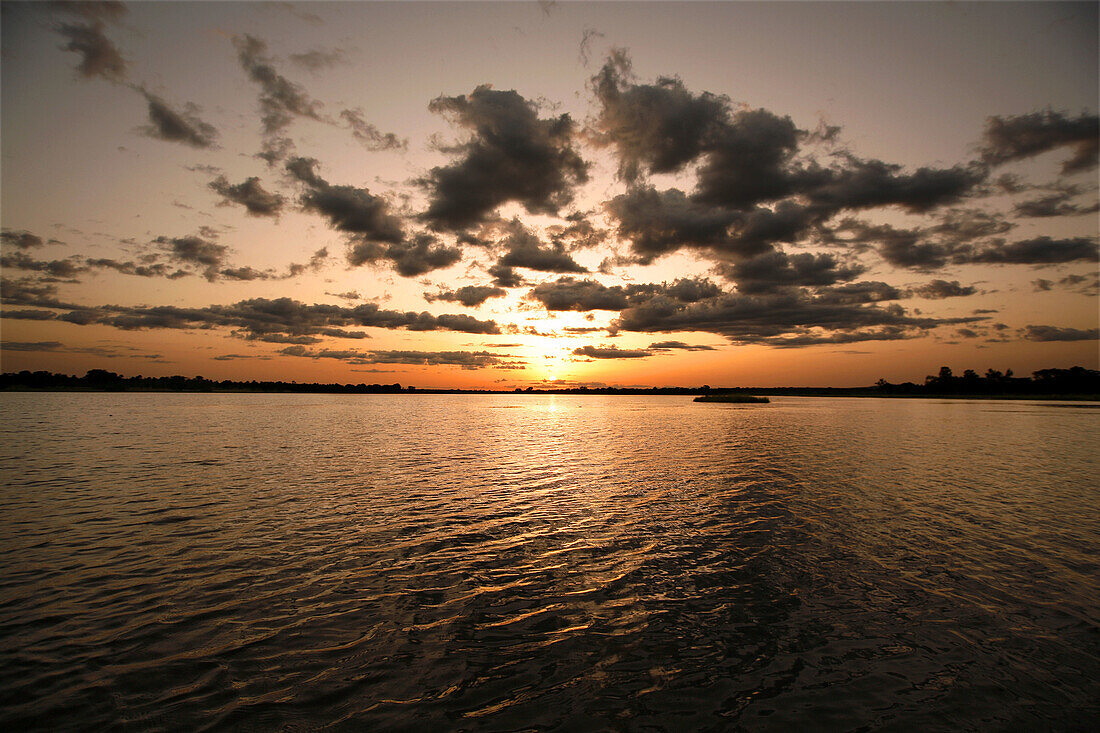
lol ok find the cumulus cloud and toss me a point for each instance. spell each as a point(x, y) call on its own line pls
point(524, 249)
point(611, 352)
point(786, 318)
point(250, 194)
point(180, 126)
point(281, 100)
point(678, 345)
point(369, 135)
point(194, 251)
point(940, 289)
point(1018, 137)
point(1036, 251)
point(20, 239)
point(570, 294)
point(1057, 204)
point(469, 295)
point(264, 319)
point(465, 359)
point(511, 155)
point(773, 270)
point(1055, 333)
point(318, 58)
point(99, 57)
point(66, 269)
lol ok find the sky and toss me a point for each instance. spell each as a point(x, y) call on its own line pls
point(513, 194)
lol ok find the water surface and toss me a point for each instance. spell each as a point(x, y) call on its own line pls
point(529, 562)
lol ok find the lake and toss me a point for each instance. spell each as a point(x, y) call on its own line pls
point(540, 562)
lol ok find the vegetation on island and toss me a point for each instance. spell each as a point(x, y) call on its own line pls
point(732, 397)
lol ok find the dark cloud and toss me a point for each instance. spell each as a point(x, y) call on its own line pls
point(259, 318)
point(318, 59)
point(1057, 204)
point(180, 126)
point(511, 155)
point(469, 295)
point(464, 359)
point(194, 251)
point(281, 100)
point(786, 318)
point(98, 55)
point(423, 254)
point(1024, 136)
point(655, 128)
point(865, 184)
point(30, 345)
point(506, 277)
point(569, 294)
point(30, 315)
point(129, 267)
point(20, 239)
point(678, 345)
point(659, 222)
point(611, 352)
point(369, 135)
point(773, 270)
point(66, 269)
point(1055, 333)
point(939, 289)
point(525, 250)
point(250, 194)
point(1037, 251)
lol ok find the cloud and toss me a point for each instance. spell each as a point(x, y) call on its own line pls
point(369, 135)
point(20, 239)
point(525, 250)
point(181, 126)
point(773, 270)
point(66, 269)
point(194, 251)
point(249, 194)
point(281, 100)
point(654, 128)
point(1055, 333)
point(511, 155)
point(30, 345)
point(1037, 251)
point(469, 295)
point(1057, 204)
point(375, 233)
point(506, 277)
point(318, 59)
point(1024, 136)
point(570, 294)
point(149, 269)
point(939, 289)
point(255, 319)
point(785, 318)
point(98, 55)
point(611, 352)
point(679, 345)
point(468, 360)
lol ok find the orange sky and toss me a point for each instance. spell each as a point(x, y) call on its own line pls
point(503, 194)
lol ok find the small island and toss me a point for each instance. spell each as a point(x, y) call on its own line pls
point(732, 397)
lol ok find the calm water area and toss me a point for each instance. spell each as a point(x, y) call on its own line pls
point(536, 562)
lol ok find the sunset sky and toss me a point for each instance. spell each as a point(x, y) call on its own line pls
point(493, 195)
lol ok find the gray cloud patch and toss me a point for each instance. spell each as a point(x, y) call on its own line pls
point(511, 155)
point(250, 194)
point(1055, 333)
point(180, 126)
point(20, 239)
point(1024, 136)
point(369, 135)
point(679, 345)
point(469, 295)
point(465, 359)
point(939, 289)
point(98, 55)
point(611, 352)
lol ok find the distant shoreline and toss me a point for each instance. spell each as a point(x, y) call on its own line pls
point(1076, 384)
point(846, 392)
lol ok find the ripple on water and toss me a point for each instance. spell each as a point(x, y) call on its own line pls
point(549, 562)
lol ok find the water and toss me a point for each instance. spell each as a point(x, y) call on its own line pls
point(460, 562)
